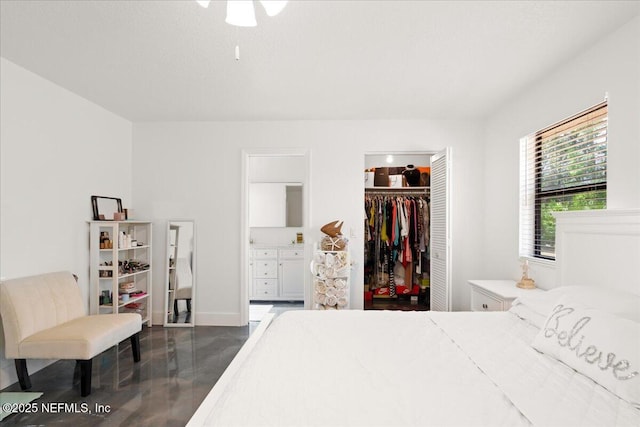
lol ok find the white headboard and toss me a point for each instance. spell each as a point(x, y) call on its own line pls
point(599, 248)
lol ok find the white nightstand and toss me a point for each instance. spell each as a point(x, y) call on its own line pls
point(495, 295)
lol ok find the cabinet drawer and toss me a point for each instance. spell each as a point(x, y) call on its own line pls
point(265, 288)
point(291, 253)
point(485, 302)
point(265, 268)
point(265, 253)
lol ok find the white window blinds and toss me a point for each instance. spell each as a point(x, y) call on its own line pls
point(562, 167)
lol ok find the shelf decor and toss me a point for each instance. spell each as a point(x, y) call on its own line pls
point(106, 208)
point(120, 272)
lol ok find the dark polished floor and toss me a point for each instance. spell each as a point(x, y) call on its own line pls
point(179, 367)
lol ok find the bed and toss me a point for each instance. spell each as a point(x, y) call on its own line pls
point(568, 356)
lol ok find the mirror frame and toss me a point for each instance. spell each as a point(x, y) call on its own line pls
point(95, 203)
point(165, 314)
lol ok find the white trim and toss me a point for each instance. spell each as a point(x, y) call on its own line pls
point(245, 246)
point(8, 374)
point(601, 215)
point(219, 319)
point(427, 153)
point(540, 261)
point(244, 238)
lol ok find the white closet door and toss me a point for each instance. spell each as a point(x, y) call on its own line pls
point(441, 231)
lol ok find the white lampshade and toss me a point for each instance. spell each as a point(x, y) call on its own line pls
point(203, 3)
point(241, 13)
point(273, 7)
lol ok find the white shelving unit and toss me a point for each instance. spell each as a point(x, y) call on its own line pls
point(120, 262)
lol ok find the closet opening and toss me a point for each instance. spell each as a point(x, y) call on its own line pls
point(397, 266)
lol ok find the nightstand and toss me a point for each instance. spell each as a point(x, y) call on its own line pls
point(495, 295)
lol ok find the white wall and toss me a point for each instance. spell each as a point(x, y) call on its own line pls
point(281, 168)
point(205, 184)
point(612, 65)
point(56, 150)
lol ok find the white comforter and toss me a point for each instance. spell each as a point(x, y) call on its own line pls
point(386, 368)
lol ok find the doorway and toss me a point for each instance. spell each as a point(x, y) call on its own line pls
point(397, 264)
point(275, 224)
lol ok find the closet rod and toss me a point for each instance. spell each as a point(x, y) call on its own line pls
point(422, 192)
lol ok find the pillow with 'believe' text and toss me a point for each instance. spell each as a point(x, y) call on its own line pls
point(597, 344)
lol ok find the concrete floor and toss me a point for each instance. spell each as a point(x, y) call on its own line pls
point(179, 367)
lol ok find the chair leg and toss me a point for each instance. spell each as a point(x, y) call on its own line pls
point(85, 377)
point(23, 374)
point(189, 305)
point(135, 347)
point(175, 307)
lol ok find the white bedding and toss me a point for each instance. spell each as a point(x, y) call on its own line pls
point(389, 368)
point(546, 391)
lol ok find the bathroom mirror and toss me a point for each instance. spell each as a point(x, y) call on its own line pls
point(180, 260)
point(275, 204)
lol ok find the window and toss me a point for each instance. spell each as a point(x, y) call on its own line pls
point(562, 167)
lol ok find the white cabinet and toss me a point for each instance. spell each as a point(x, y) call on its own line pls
point(265, 274)
point(495, 295)
point(278, 274)
point(120, 267)
point(291, 274)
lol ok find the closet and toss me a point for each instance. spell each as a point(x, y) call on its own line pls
point(406, 232)
point(397, 246)
point(397, 233)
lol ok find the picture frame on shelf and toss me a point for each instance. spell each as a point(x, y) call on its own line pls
point(104, 208)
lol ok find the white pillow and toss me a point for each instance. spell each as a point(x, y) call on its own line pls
point(599, 345)
point(540, 304)
point(528, 313)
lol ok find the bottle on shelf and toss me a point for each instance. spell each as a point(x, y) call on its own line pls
point(113, 264)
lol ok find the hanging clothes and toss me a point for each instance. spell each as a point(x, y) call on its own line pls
point(397, 231)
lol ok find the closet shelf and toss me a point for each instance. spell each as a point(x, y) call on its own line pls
point(397, 190)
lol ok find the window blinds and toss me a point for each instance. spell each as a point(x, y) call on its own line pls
point(562, 167)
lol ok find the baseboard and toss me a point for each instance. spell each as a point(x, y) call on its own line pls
point(205, 319)
point(8, 371)
point(218, 319)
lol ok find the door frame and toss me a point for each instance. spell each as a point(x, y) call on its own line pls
point(245, 245)
point(426, 153)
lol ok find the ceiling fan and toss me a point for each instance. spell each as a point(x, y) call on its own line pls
point(242, 14)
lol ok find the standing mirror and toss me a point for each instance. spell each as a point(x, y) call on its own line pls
point(180, 258)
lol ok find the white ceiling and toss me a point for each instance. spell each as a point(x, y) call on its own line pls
point(174, 61)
